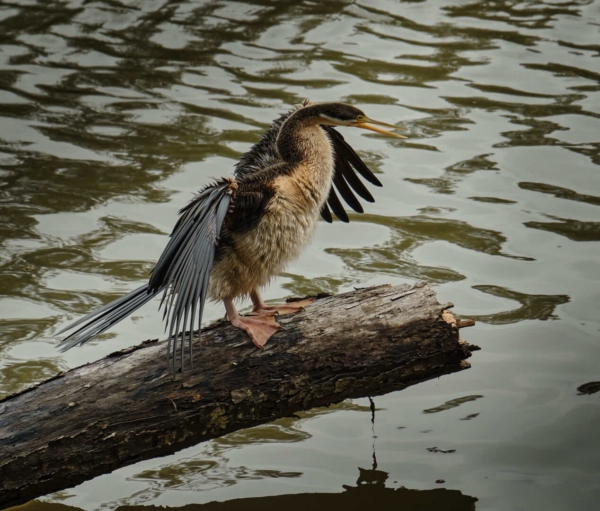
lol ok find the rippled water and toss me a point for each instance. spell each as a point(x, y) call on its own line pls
point(112, 113)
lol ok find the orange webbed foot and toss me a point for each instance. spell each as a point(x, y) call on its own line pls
point(282, 309)
point(259, 329)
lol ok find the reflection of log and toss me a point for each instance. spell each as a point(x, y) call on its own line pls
point(126, 408)
point(357, 498)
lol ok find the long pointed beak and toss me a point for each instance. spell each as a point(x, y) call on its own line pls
point(366, 126)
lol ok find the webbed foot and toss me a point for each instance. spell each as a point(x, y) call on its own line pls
point(259, 329)
point(261, 309)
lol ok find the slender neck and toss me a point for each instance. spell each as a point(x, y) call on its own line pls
point(299, 134)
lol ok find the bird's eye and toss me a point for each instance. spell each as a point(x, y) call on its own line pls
point(360, 118)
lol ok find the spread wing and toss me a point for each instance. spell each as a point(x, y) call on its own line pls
point(348, 166)
point(182, 274)
point(345, 179)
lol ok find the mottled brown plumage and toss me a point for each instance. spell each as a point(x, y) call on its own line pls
point(237, 234)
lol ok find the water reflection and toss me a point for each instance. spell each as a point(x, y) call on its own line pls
point(395, 256)
point(112, 114)
point(362, 496)
point(212, 467)
point(453, 403)
point(560, 192)
point(456, 173)
point(575, 230)
point(589, 388)
point(19, 371)
point(540, 307)
point(201, 475)
point(213, 470)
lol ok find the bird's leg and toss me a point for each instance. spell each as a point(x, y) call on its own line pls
point(261, 309)
point(259, 329)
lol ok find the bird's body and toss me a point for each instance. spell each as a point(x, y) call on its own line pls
point(237, 234)
point(291, 198)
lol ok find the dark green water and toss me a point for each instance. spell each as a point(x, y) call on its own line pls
point(113, 113)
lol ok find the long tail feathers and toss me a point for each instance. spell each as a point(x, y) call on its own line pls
point(105, 317)
point(182, 274)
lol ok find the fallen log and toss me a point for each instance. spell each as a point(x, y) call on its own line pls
point(126, 407)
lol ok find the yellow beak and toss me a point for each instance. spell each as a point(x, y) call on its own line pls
point(364, 125)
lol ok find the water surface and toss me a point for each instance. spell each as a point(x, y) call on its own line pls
point(113, 113)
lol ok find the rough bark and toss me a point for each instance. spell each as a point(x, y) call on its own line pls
point(126, 407)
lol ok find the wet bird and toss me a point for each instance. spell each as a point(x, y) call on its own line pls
point(238, 233)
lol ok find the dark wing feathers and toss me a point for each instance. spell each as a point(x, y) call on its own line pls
point(353, 180)
point(336, 206)
point(251, 200)
point(347, 167)
point(348, 154)
point(341, 184)
point(182, 274)
point(345, 179)
point(326, 214)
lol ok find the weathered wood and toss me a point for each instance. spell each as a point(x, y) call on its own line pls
point(126, 407)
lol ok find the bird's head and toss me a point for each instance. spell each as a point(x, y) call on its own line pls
point(341, 114)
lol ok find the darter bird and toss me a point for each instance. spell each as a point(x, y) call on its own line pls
point(237, 234)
